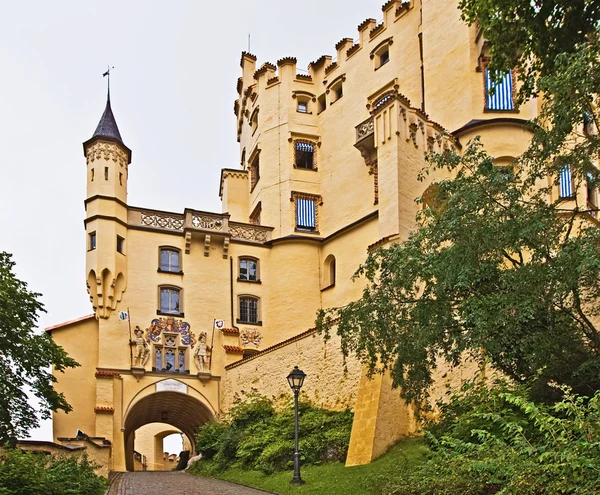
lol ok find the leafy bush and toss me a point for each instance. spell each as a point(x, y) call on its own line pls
point(25, 473)
point(496, 440)
point(255, 435)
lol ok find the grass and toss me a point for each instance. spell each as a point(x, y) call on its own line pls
point(334, 478)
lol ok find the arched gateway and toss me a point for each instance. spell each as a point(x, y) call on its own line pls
point(178, 409)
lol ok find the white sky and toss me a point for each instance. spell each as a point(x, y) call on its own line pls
point(172, 93)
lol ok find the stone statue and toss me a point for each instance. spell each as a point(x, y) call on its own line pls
point(142, 353)
point(200, 354)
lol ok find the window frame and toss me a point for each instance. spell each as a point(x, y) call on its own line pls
point(249, 297)
point(298, 154)
point(92, 241)
point(171, 249)
point(486, 87)
point(317, 203)
point(566, 173)
point(254, 169)
point(178, 347)
point(173, 288)
point(256, 261)
point(120, 244)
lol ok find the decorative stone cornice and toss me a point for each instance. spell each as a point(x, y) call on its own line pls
point(107, 374)
point(247, 55)
point(306, 77)
point(266, 67)
point(342, 42)
point(107, 150)
point(352, 50)
point(376, 30)
point(329, 68)
point(230, 331)
point(364, 24)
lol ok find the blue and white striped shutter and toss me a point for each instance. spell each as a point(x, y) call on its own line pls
point(306, 217)
point(502, 99)
point(565, 182)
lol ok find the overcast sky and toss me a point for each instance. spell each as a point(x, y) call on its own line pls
point(172, 91)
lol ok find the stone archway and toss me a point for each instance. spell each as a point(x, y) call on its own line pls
point(174, 408)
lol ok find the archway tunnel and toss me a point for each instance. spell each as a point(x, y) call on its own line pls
point(177, 409)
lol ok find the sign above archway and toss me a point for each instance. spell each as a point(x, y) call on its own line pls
point(171, 385)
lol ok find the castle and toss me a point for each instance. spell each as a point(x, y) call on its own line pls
point(194, 308)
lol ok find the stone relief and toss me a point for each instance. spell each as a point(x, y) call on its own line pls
point(248, 233)
point(162, 221)
point(207, 222)
point(250, 336)
point(108, 151)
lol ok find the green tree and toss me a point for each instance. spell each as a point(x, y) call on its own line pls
point(25, 358)
point(493, 265)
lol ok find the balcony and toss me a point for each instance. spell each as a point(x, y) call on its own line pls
point(365, 139)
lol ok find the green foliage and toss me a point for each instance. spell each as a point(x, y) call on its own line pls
point(255, 435)
point(24, 473)
point(493, 267)
point(25, 358)
point(496, 440)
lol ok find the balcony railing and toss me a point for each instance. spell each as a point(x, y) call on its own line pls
point(197, 221)
point(365, 129)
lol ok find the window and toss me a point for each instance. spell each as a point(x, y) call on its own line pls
point(337, 91)
point(565, 184)
point(592, 192)
point(499, 96)
point(302, 105)
point(120, 244)
point(169, 300)
point(306, 213)
point(248, 270)
point(169, 260)
point(255, 215)
point(92, 178)
point(254, 120)
point(248, 310)
point(92, 241)
point(322, 102)
point(120, 178)
point(329, 271)
point(254, 172)
point(384, 57)
point(304, 155)
point(170, 354)
point(105, 173)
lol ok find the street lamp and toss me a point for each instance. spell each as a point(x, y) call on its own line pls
point(296, 379)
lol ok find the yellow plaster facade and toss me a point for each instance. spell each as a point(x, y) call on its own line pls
point(328, 167)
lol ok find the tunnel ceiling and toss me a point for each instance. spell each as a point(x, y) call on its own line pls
point(179, 410)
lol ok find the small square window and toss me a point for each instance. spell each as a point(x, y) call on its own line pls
point(120, 244)
point(384, 57)
point(92, 241)
point(302, 106)
point(322, 102)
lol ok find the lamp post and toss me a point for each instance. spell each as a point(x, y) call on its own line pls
point(296, 379)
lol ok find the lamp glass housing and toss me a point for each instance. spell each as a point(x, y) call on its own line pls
point(296, 378)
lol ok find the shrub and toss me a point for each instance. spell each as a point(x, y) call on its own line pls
point(256, 436)
point(496, 440)
point(25, 473)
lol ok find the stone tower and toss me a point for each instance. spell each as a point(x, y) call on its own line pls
point(107, 160)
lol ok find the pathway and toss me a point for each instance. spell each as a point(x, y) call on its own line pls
point(175, 482)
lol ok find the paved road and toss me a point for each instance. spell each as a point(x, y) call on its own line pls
point(174, 483)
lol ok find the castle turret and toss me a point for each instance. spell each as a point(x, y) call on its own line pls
point(106, 214)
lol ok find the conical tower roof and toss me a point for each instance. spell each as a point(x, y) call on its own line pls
point(107, 127)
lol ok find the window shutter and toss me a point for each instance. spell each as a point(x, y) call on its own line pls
point(565, 183)
point(502, 99)
point(306, 217)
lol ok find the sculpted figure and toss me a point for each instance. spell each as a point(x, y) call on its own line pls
point(200, 355)
point(142, 353)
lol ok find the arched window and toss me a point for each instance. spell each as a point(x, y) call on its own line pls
point(169, 259)
point(329, 271)
point(248, 270)
point(170, 300)
point(249, 310)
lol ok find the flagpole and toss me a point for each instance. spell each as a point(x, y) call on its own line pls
point(212, 342)
point(130, 339)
